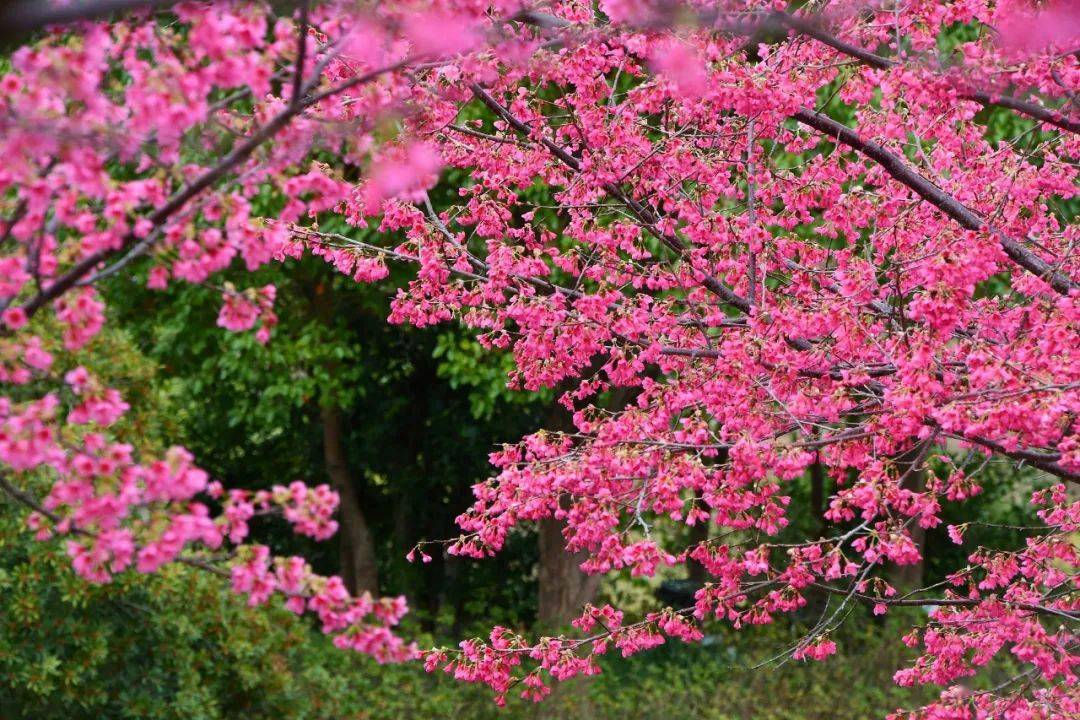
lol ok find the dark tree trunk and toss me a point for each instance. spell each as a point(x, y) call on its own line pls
point(700, 532)
point(912, 467)
point(359, 568)
point(564, 589)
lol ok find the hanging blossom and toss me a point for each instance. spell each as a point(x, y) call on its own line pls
point(69, 121)
point(120, 513)
point(781, 238)
point(241, 311)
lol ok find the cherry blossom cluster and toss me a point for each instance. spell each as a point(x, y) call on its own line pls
point(118, 513)
point(241, 311)
point(138, 144)
point(360, 623)
point(745, 241)
point(309, 510)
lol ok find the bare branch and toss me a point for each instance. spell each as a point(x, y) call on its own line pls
point(301, 54)
point(22, 18)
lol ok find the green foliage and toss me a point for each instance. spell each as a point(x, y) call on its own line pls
point(465, 363)
point(718, 680)
point(173, 645)
point(415, 442)
point(712, 681)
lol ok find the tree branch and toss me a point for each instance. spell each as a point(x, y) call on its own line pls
point(951, 602)
point(22, 18)
point(239, 154)
point(937, 197)
point(880, 62)
point(1042, 114)
point(644, 215)
point(27, 500)
point(301, 54)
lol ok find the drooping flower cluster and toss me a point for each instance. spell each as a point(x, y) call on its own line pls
point(241, 311)
point(119, 513)
point(781, 238)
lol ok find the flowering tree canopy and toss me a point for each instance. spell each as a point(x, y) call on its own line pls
point(781, 231)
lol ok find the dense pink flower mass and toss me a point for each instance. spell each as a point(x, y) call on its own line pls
point(785, 251)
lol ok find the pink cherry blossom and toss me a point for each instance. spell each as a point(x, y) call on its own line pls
point(727, 286)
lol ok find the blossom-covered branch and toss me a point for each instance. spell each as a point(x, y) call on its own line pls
point(790, 262)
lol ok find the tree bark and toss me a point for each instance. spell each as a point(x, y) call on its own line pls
point(359, 568)
point(912, 466)
point(564, 588)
